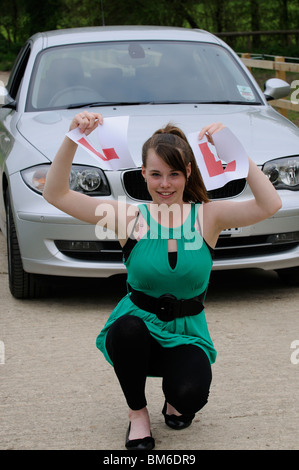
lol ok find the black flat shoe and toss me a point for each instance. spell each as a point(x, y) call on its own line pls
point(177, 422)
point(147, 443)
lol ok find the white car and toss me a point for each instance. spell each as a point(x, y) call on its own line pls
point(154, 75)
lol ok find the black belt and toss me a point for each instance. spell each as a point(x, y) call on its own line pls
point(167, 307)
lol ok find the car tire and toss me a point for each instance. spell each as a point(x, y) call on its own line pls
point(289, 275)
point(22, 285)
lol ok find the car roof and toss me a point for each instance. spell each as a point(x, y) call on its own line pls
point(122, 33)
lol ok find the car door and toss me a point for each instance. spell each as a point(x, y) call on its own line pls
point(8, 108)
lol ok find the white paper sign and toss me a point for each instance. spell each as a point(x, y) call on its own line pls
point(107, 144)
point(228, 149)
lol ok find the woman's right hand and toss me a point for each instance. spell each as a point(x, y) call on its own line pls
point(209, 130)
point(86, 122)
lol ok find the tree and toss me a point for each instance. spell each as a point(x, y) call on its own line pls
point(22, 18)
point(41, 16)
point(255, 22)
point(11, 12)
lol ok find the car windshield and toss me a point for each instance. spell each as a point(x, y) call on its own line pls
point(137, 72)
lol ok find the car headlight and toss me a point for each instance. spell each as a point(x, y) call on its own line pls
point(84, 179)
point(283, 172)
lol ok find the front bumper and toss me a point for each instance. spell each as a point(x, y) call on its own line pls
point(41, 254)
point(40, 227)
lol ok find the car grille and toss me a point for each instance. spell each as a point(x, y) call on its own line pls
point(247, 247)
point(105, 251)
point(227, 247)
point(136, 188)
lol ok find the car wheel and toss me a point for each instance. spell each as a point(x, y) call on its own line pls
point(289, 275)
point(22, 285)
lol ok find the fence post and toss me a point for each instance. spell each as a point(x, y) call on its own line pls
point(282, 75)
point(246, 55)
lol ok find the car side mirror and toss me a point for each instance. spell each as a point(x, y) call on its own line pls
point(6, 101)
point(276, 88)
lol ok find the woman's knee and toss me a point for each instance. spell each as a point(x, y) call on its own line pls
point(126, 331)
point(188, 398)
point(186, 384)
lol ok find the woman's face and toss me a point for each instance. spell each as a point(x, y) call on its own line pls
point(164, 184)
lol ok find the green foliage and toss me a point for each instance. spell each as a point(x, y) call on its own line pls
point(20, 19)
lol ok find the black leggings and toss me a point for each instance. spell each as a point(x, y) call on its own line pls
point(185, 370)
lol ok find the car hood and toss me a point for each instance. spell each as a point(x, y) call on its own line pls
point(264, 133)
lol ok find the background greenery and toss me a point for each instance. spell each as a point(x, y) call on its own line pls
point(20, 19)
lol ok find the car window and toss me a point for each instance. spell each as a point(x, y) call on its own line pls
point(133, 72)
point(18, 70)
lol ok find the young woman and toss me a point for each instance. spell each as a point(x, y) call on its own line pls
point(159, 328)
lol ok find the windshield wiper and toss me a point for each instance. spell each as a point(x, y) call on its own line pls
point(230, 102)
point(107, 103)
point(157, 102)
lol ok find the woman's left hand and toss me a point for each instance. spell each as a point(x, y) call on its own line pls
point(87, 122)
point(209, 130)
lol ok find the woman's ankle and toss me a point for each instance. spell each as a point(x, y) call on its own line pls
point(170, 410)
point(140, 424)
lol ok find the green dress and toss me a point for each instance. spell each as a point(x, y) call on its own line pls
point(149, 271)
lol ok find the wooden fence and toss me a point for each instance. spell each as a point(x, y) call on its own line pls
point(280, 67)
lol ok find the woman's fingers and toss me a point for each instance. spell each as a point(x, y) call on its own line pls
point(210, 129)
point(86, 122)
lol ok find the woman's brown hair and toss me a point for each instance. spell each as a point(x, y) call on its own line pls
point(171, 144)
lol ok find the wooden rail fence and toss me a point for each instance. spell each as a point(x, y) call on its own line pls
point(280, 67)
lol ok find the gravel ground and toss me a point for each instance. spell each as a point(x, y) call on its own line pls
point(57, 391)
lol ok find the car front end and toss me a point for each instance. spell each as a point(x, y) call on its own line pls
point(53, 243)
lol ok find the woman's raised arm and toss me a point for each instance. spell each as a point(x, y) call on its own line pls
point(81, 206)
point(220, 215)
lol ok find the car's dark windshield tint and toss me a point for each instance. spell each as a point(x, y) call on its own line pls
point(137, 72)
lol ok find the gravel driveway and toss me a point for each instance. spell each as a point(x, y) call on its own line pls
point(57, 391)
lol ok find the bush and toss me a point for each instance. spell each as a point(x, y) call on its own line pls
point(8, 53)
